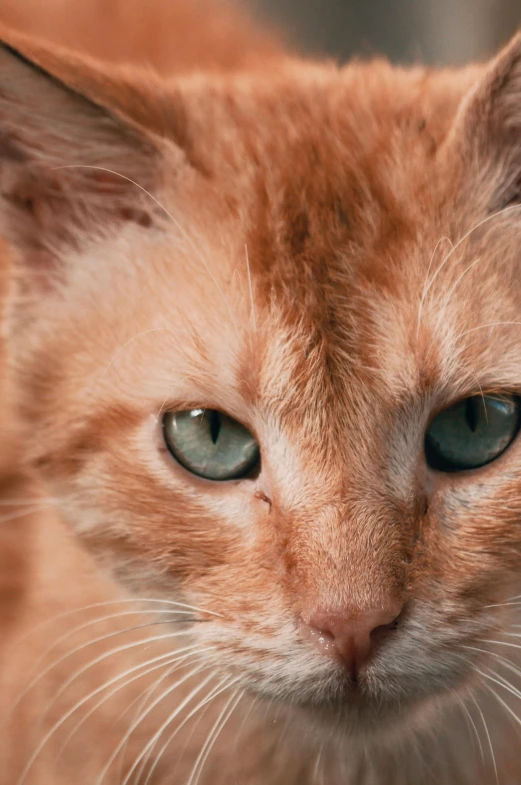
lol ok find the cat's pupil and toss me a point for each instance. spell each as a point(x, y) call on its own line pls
point(472, 413)
point(215, 425)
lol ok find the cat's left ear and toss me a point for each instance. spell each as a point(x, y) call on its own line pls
point(489, 126)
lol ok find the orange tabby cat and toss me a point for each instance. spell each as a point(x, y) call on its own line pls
point(264, 348)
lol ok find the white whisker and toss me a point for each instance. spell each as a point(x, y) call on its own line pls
point(481, 223)
point(160, 412)
point(498, 657)
point(143, 700)
point(221, 687)
point(68, 714)
point(221, 721)
point(505, 705)
point(142, 760)
point(483, 326)
point(27, 502)
point(22, 513)
point(217, 690)
point(145, 714)
point(77, 649)
point(147, 667)
point(470, 719)
point(101, 658)
point(67, 614)
point(485, 726)
point(422, 300)
point(502, 643)
point(501, 682)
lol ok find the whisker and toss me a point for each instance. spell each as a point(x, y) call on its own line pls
point(460, 278)
point(503, 660)
point(178, 661)
point(253, 703)
point(132, 600)
point(58, 725)
point(22, 513)
point(77, 649)
point(105, 656)
point(221, 687)
point(473, 727)
point(160, 412)
point(316, 767)
point(142, 699)
point(504, 704)
point(26, 502)
point(485, 726)
point(483, 326)
point(481, 223)
point(145, 714)
point(511, 601)
point(500, 682)
point(67, 614)
point(502, 643)
point(126, 344)
point(447, 298)
point(422, 300)
point(142, 759)
point(221, 721)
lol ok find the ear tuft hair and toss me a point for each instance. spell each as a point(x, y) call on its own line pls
point(69, 165)
point(492, 123)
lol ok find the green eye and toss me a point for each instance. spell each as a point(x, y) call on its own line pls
point(472, 433)
point(210, 444)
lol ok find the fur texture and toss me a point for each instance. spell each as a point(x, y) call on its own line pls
point(329, 255)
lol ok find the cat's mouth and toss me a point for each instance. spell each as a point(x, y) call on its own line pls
point(352, 708)
point(338, 697)
point(389, 692)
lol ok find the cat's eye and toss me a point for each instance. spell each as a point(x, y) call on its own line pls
point(211, 444)
point(473, 432)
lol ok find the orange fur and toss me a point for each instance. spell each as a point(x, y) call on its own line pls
point(295, 244)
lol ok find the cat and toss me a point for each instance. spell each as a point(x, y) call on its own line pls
point(263, 342)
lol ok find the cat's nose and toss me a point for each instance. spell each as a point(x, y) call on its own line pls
point(353, 639)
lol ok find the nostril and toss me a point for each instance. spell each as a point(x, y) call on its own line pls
point(379, 634)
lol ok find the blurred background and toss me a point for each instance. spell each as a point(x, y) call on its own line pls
point(438, 32)
point(435, 32)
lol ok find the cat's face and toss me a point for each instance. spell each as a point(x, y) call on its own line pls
point(305, 265)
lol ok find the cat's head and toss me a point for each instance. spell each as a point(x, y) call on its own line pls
point(266, 351)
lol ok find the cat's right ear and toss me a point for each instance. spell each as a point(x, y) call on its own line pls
point(71, 166)
point(489, 127)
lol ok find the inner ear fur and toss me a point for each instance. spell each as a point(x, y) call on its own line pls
point(490, 124)
point(70, 156)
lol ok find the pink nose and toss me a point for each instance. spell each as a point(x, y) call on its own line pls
point(353, 639)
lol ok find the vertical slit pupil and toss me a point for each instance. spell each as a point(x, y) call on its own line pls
point(472, 413)
point(215, 425)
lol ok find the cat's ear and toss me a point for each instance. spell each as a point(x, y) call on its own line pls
point(69, 163)
point(490, 123)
